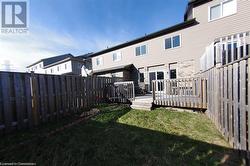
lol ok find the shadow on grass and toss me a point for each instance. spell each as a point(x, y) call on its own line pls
point(103, 141)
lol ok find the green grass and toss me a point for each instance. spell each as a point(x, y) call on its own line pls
point(120, 136)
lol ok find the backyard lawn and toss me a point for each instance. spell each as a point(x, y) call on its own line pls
point(121, 136)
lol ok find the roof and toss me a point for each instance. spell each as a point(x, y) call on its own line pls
point(51, 60)
point(198, 2)
point(114, 69)
point(162, 32)
point(63, 60)
point(85, 56)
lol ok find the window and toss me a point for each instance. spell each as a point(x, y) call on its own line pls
point(65, 66)
point(141, 77)
point(99, 61)
point(229, 7)
point(40, 65)
point(141, 50)
point(58, 68)
point(168, 43)
point(51, 70)
point(137, 51)
point(173, 74)
point(117, 56)
point(215, 12)
point(173, 42)
point(176, 41)
point(225, 8)
point(160, 75)
point(113, 75)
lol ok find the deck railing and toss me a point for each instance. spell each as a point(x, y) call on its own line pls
point(188, 93)
point(123, 92)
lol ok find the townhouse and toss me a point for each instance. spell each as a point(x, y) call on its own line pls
point(62, 64)
point(174, 52)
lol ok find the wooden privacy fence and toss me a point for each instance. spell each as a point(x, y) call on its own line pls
point(229, 90)
point(188, 93)
point(28, 99)
point(122, 92)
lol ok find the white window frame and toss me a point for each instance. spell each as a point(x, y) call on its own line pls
point(164, 42)
point(118, 59)
point(141, 49)
point(221, 10)
point(101, 61)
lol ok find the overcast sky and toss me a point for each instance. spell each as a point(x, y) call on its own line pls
point(81, 26)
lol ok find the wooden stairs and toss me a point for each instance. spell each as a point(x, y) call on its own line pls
point(143, 103)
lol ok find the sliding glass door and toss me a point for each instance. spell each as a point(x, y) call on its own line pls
point(156, 75)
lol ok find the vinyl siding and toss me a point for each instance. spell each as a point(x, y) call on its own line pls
point(193, 40)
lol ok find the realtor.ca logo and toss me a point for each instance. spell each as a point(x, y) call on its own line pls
point(14, 16)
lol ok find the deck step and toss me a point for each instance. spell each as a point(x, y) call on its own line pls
point(143, 103)
point(149, 104)
point(141, 107)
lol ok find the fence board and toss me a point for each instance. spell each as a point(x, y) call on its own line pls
point(248, 99)
point(58, 96)
point(7, 108)
point(51, 95)
point(19, 97)
point(230, 87)
point(28, 83)
point(243, 104)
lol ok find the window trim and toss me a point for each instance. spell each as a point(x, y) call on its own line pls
point(140, 50)
point(164, 42)
point(221, 10)
point(117, 60)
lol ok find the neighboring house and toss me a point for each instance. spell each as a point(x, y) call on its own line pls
point(61, 65)
point(174, 52)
